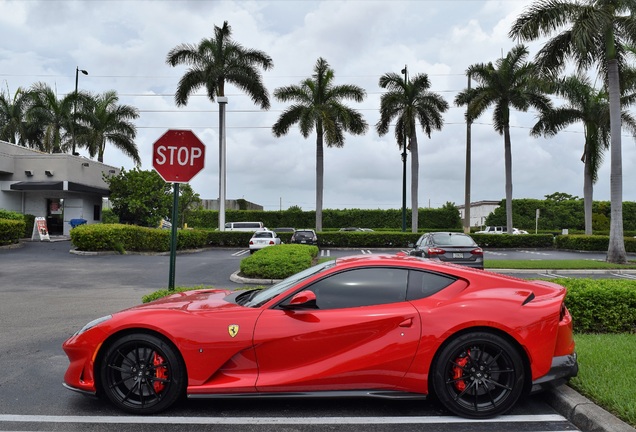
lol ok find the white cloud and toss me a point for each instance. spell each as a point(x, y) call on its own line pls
point(123, 46)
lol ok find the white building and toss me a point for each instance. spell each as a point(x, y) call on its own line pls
point(479, 211)
point(59, 186)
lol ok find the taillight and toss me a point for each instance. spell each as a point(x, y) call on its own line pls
point(478, 251)
point(251, 242)
point(436, 251)
point(271, 242)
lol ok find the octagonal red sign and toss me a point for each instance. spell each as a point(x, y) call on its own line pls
point(178, 156)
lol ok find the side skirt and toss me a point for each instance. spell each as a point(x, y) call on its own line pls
point(382, 394)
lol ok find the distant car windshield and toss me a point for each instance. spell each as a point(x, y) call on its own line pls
point(453, 240)
point(267, 294)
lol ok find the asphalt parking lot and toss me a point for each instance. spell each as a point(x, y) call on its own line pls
point(49, 293)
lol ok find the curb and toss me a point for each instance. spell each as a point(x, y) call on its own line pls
point(584, 413)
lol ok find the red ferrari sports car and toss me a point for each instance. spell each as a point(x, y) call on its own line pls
point(371, 325)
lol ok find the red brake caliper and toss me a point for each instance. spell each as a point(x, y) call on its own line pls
point(161, 372)
point(458, 371)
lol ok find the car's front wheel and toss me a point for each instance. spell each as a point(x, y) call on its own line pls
point(478, 375)
point(142, 374)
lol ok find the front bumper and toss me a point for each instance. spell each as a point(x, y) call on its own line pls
point(563, 368)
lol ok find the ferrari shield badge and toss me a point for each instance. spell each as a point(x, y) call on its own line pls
point(233, 329)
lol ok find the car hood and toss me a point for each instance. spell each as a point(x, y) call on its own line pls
point(192, 301)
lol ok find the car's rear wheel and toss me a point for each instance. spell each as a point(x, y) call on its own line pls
point(142, 374)
point(478, 375)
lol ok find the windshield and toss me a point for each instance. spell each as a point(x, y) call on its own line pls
point(263, 296)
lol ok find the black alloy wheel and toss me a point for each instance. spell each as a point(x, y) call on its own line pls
point(478, 375)
point(142, 374)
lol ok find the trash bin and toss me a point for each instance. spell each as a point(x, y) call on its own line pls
point(76, 222)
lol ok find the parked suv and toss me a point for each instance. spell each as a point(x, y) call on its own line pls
point(492, 230)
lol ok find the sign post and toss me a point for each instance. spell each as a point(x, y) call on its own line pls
point(177, 156)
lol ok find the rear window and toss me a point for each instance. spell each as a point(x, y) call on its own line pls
point(263, 234)
point(453, 240)
point(247, 225)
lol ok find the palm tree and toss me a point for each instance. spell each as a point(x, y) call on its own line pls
point(510, 83)
point(14, 127)
point(410, 102)
point(53, 118)
point(214, 62)
point(590, 107)
point(103, 120)
point(317, 105)
point(594, 32)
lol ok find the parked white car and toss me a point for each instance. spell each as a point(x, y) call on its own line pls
point(263, 238)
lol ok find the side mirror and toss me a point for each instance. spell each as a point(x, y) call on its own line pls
point(302, 300)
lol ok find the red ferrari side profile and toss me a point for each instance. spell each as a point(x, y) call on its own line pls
point(372, 325)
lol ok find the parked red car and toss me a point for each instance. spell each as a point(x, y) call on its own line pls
point(372, 325)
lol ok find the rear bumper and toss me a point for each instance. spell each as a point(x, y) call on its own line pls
point(563, 368)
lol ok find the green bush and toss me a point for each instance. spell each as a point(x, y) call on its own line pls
point(601, 305)
point(278, 262)
point(120, 238)
point(11, 230)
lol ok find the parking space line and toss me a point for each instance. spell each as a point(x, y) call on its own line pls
point(275, 420)
point(324, 253)
point(625, 276)
point(241, 252)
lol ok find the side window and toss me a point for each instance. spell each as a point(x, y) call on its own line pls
point(423, 284)
point(361, 287)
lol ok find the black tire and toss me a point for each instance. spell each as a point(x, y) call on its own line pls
point(478, 375)
point(142, 374)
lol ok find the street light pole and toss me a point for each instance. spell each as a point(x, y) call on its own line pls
point(406, 78)
point(77, 71)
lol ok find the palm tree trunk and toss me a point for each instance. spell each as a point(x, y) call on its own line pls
point(319, 177)
point(588, 193)
point(508, 168)
point(616, 250)
point(415, 176)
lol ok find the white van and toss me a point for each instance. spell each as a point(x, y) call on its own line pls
point(244, 226)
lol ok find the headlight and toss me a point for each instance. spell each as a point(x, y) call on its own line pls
point(92, 324)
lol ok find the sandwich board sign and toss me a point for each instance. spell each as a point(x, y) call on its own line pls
point(40, 229)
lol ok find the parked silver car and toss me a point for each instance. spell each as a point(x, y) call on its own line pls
point(451, 247)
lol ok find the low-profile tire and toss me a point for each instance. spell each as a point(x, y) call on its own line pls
point(478, 375)
point(142, 374)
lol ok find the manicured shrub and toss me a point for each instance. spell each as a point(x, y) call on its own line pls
point(601, 305)
point(278, 262)
point(11, 230)
point(121, 238)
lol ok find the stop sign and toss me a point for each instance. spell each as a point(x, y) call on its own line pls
point(178, 156)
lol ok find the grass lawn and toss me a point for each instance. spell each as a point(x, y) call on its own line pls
point(607, 374)
point(556, 265)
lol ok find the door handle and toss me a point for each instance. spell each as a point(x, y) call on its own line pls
point(406, 323)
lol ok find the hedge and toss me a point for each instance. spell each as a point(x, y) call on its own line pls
point(121, 238)
point(590, 243)
point(601, 305)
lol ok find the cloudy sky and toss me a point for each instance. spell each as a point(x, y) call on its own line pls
point(123, 46)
